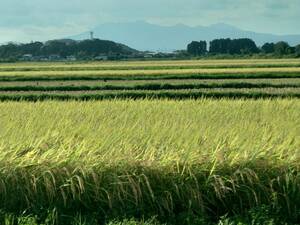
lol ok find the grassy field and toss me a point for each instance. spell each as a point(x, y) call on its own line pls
point(153, 64)
point(161, 158)
point(150, 79)
point(281, 81)
point(212, 142)
point(143, 72)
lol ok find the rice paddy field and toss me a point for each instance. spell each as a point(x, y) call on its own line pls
point(150, 79)
point(150, 142)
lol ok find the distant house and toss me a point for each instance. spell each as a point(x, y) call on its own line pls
point(71, 58)
point(27, 57)
point(41, 58)
point(101, 57)
point(149, 54)
point(54, 57)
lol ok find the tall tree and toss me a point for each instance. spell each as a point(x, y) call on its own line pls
point(281, 48)
point(197, 48)
point(242, 46)
point(297, 50)
point(268, 48)
point(235, 46)
point(219, 46)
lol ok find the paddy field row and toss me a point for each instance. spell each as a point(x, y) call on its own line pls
point(170, 142)
point(181, 162)
point(156, 79)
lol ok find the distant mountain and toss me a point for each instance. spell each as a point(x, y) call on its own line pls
point(145, 36)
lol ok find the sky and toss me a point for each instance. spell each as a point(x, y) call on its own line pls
point(31, 20)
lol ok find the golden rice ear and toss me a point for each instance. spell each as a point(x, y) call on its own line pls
point(126, 157)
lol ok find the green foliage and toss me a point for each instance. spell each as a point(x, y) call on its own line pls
point(262, 215)
point(197, 48)
point(281, 48)
point(235, 46)
point(297, 50)
point(82, 49)
point(268, 48)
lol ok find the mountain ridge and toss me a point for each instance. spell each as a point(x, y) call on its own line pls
point(144, 36)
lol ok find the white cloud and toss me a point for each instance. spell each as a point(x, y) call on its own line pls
point(44, 19)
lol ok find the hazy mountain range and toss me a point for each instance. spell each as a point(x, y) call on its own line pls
point(146, 36)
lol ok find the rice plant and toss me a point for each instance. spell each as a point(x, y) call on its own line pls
point(173, 160)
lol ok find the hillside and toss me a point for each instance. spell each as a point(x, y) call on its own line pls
point(145, 36)
point(65, 48)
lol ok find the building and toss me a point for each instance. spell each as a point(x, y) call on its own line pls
point(27, 57)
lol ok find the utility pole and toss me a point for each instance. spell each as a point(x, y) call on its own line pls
point(92, 35)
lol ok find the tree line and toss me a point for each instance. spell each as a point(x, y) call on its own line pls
point(240, 47)
point(63, 48)
point(90, 49)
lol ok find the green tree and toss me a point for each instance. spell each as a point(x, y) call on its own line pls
point(219, 46)
point(268, 48)
point(235, 46)
point(31, 48)
point(297, 50)
point(291, 50)
point(242, 46)
point(281, 48)
point(197, 48)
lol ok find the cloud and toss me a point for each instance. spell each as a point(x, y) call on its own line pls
point(18, 19)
